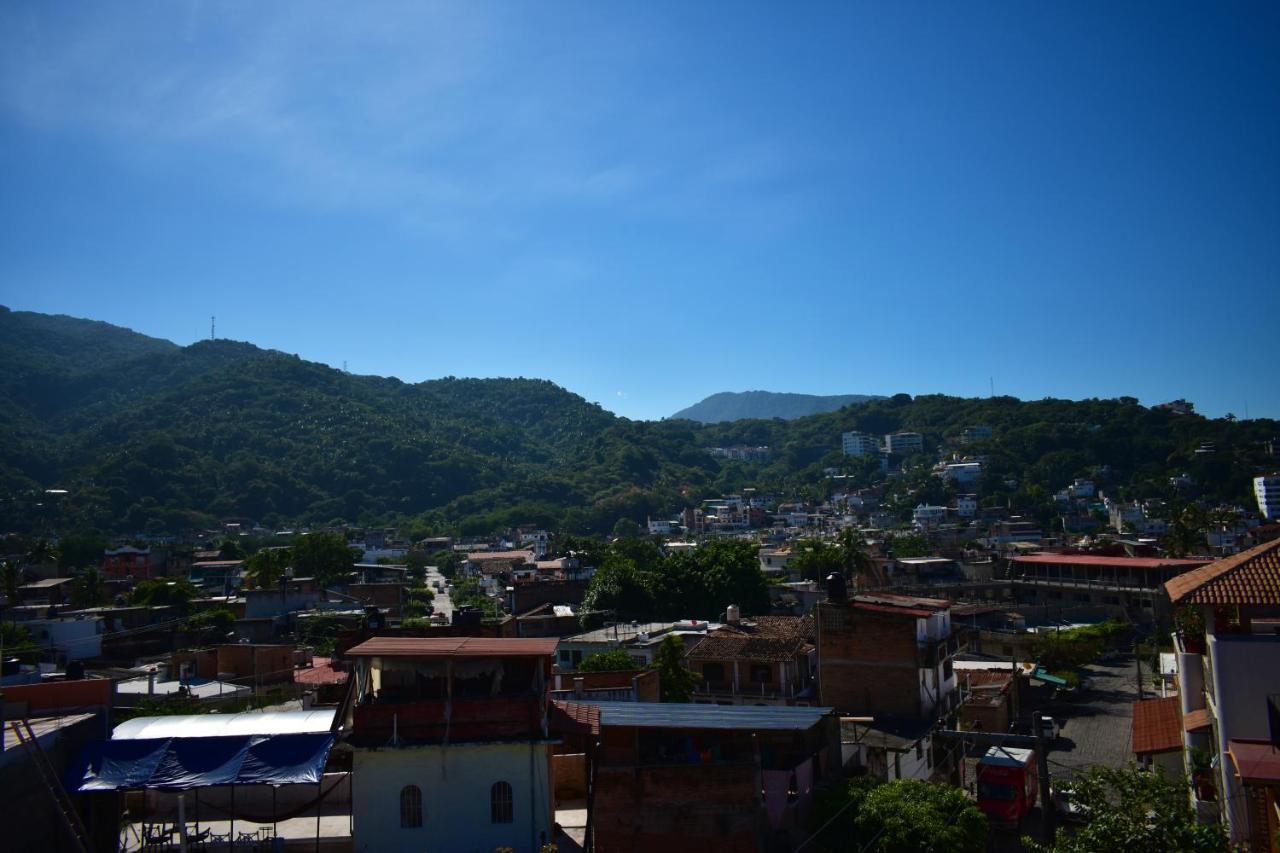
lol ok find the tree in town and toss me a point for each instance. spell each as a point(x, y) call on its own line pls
point(615, 660)
point(266, 567)
point(1130, 809)
point(675, 681)
point(88, 589)
point(163, 593)
point(41, 552)
point(81, 548)
point(855, 562)
point(230, 549)
point(817, 559)
point(904, 816)
point(324, 556)
point(617, 586)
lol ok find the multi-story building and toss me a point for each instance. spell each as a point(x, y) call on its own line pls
point(1228, 657)
point(1267, 491)
point(889, 657)
point(966, 506)
point(975, 433)
point(1128, 587)
point(904, 443)
point(130, 562)
point(638, 639)
point(962, 473)
point(928, 517)
point(768, 660)
point(450, 744)
point(859, 444)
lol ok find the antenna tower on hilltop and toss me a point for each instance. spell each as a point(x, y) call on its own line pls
point(212, 321)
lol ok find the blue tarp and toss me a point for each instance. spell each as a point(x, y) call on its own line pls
point(197, 762)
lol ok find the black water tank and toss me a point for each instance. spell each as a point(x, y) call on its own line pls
point(836, 589)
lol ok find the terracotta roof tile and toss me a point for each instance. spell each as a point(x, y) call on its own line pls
point(1156, 726)
point(1194, 721)
point(1116, 562)
point(1250, 577)
point(447, 647)
point(574, 717)
point(767, 638)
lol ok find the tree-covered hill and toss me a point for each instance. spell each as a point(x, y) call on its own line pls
point(741, 405)
point(148, 436)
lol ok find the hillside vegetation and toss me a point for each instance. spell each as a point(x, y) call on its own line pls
point(149, 437)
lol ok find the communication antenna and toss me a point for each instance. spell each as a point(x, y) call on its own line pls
point(344, 365)
point(992, 379)
point(212, 321)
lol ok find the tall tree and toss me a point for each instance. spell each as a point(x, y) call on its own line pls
point(265, 568)
point(324, 556)
point(1133, 810)
point(88, 589)
point(675, 681)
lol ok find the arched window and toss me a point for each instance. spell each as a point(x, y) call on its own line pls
point(500, 802)
point(410, 807)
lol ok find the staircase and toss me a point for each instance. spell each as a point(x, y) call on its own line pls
point(49, 776)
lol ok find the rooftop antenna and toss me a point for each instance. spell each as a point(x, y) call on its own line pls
point(212, 321)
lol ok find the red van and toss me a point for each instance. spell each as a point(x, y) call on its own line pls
point(1007, 783)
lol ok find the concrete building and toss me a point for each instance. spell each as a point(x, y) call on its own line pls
point(678, 777)
point(904, 443)
point(1267, 492)
point(638, 639)
point(962, 473)
point(1127, 587)
point(451, 745)
point(1157, 735)
point(967, 506)
point(1228, 653)
point(859, 444)
point(974, 434)
point(928, 517)
point(768, 660)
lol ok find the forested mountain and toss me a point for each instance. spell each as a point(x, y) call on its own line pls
point(736, 406)
point(148, 436)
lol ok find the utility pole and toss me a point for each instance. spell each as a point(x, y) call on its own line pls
point(1042, 773)
point(1137, 663)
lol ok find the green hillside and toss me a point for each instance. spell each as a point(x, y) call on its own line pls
point(150, 437)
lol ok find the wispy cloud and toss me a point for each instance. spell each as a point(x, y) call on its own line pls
point(439, 115)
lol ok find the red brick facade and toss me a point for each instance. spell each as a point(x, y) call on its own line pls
point(867, 661)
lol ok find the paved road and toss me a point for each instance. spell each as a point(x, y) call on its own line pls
point(1097, 727)
point(442, 603)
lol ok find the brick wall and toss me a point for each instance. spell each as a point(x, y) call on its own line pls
point(36, 699)
point(529, 595)
point(867, 662)
point(205, 662)
point(569, 776)
point(678, 808)
point(267, 664)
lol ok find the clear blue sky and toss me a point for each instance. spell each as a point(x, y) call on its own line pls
point(651, 202)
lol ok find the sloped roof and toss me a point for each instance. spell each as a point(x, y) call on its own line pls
point(1257, 761)
point(574, 717)
point(1250, 577)
point(1157, 726)
point(495, 647)
point(769, 638)
point(1110, 562)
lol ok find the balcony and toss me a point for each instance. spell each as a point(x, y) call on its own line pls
point(749, 691)
point(438, 720)
point(595, 694)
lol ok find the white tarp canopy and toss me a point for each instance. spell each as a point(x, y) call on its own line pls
point(209, 725)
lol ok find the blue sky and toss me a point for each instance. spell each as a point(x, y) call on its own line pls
point(651, 202)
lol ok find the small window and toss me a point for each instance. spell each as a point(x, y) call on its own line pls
point(410, 807)
point(500, 802)
point(761, 673)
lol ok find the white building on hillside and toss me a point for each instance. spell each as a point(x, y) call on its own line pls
point(859, 444)
point(1267, 491)
point(904, 443)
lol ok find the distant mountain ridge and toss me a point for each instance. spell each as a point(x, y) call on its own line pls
point(742, 405)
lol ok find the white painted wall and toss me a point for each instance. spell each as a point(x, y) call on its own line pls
point(455, 782)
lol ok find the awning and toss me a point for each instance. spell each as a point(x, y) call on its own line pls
point(197, 762)
point(1042, 674)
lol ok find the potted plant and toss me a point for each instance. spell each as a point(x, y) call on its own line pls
point(1190, 625)
point(1202, 774)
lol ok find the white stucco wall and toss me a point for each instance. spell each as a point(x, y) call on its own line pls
point(455, 783)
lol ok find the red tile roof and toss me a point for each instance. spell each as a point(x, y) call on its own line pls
point(321, 671)
point(574, 717)
point(1195, 721)
point(1156, 726)
point(1250, 577)
point(454, 647)
point(1111, 562)
point(1257, 761)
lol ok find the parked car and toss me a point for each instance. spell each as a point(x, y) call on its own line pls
point(1064, 803)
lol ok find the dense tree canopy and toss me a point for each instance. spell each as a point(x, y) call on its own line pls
point(139, 436)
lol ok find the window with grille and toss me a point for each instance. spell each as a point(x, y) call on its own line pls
point(410, 807)
point(500, 802)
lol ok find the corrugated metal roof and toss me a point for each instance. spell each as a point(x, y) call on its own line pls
point(211, 725)
point(455, 647)
point(677, 715)
point(1116, 562)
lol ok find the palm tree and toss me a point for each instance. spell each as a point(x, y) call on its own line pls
point(88, 590)
point(11, 578)
point(854, 560)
